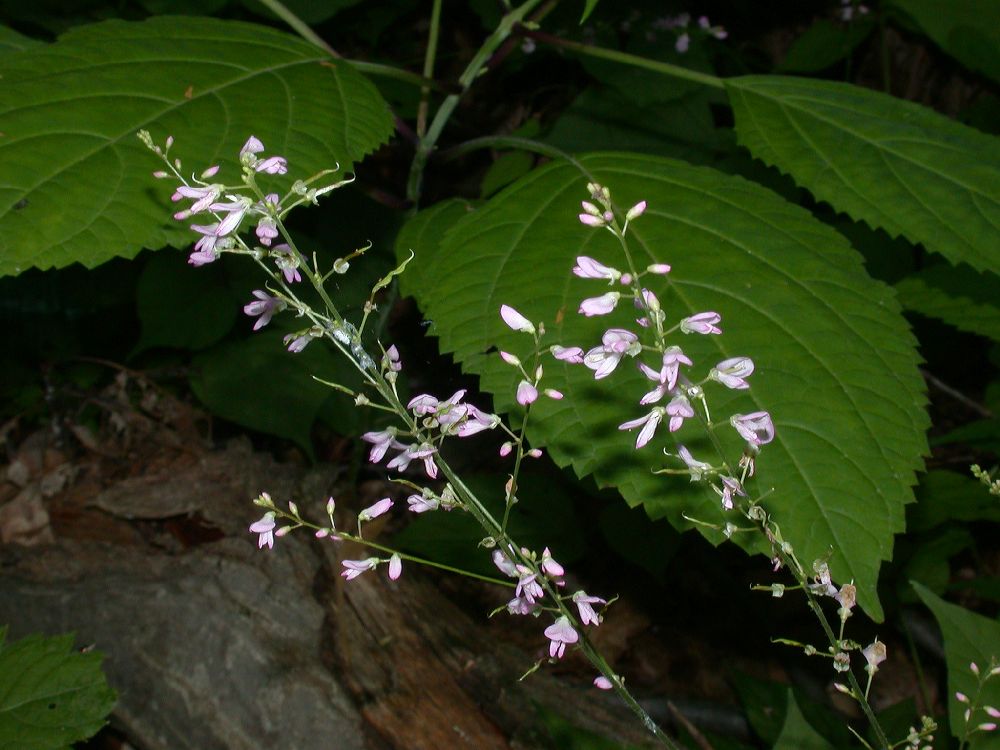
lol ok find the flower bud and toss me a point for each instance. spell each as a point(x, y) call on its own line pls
point(636, 211)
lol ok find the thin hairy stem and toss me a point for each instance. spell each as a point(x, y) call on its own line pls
point(675, 71)
point(447, 107)
point(429, 57)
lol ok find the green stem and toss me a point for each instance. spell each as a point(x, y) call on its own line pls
point(471, 72)
point(429, 57)
point(297, 25)
point(391, 71)
point(675, 71)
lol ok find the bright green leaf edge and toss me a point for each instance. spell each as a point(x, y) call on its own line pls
point(836, 362)
point(75, 182)
point(891, 163)
point(956, 296)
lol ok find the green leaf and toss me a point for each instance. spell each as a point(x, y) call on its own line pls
point(588, 8)
point(507, 168)
point(256, 383)
point(944, 496)
point(957, 295)
point(12, 41)
point(836, 365)
point(181, 307)
point(891, 163)
point(968, 30)
point(50, 695)
point(968, 638)
point(797, 733)
point(929, 564)
point(606, 119)
point(422, 234)
point(823, 44)
point(75, 182)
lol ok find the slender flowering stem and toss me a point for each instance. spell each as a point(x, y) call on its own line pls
point(538, 579)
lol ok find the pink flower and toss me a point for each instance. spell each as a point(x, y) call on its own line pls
point(717, 31)
point(648, 424)
point(376, 510)
point(756, 428)
point(264, 527)
point(273, 165)
point(504, 564)
point(390, 360)
point(267, 230)
point(560, 633)
point(237, 208)
point(697, 468)
point(527, 584)
point(730, 487)
point(602, 683)
point(572, 354)
point(287, 261)
point(874, 654)
point(354, 568)
point(297, 342)
point(265, 306)
point(588, 268)
point(520, 605)
point(526, 393)
point(616, 343)
point(733, 373)
point(475, 422)
point(600, 305)
point(204, 249)
point(422, 504)
point(381, 442)
point(584, 603)
point(673, 358)
point(550, 567)
point(703, 323)
point(679, 409)
point(203, 197)
point(423, 404)
point(252, 146)
point(395, 567)
point(515, 320)
point(424, 451)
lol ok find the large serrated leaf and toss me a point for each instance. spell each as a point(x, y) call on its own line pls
point(968, 638)
point(75, 181)
point(50, 696)
point(896, 165)
point(836, 361)
point(957, 295)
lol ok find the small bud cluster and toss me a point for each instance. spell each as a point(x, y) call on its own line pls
point(851, 9)
point(986, 477)
point(266, 530)
point(684, 31)
point(978, 719)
